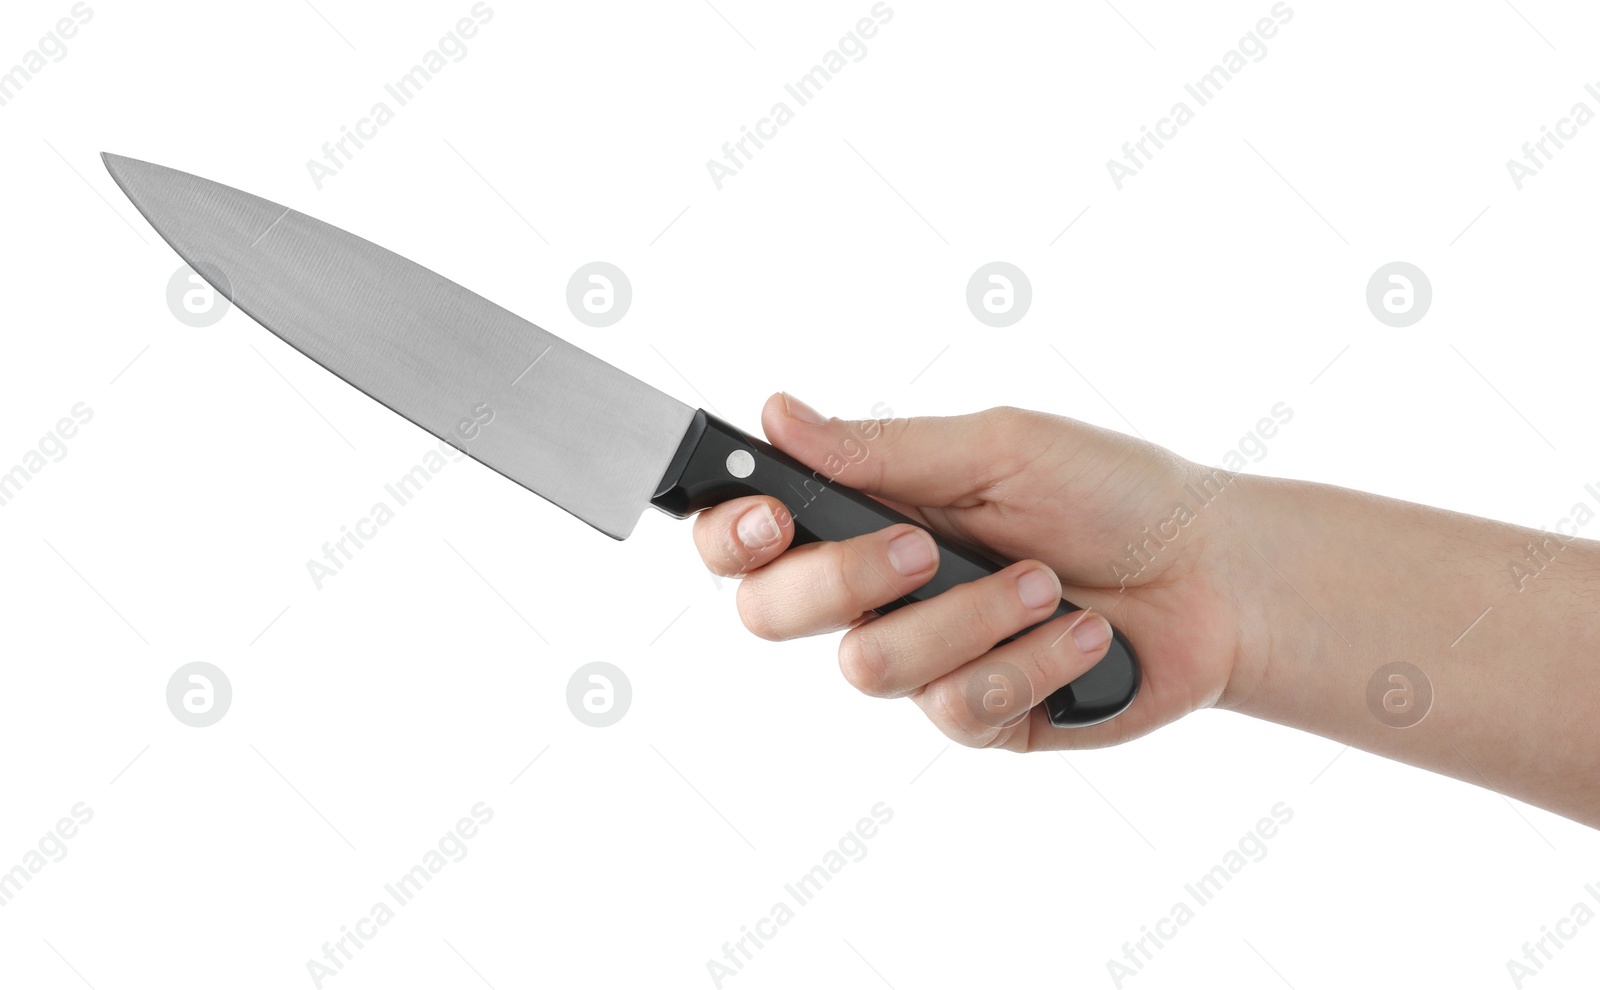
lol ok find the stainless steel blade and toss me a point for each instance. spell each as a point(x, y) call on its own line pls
point(565, 424)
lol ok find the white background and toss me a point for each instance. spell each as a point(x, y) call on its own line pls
point(370, 715)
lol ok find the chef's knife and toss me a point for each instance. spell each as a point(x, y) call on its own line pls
point(551, 417)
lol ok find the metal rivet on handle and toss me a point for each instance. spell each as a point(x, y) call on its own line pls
point(741, 464)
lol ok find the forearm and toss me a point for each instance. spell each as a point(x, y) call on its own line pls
point(1334, 585)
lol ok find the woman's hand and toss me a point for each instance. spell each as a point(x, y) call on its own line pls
point(1089, 515)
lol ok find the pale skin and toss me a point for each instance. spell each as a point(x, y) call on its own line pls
point(1277, 599)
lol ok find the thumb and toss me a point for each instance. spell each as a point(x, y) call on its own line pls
point(926, 460)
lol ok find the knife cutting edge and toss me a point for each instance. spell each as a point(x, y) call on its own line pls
point(566, 425)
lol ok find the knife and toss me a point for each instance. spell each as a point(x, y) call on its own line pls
point(551, 417)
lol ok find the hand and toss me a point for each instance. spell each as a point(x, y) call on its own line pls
point(1074, 505)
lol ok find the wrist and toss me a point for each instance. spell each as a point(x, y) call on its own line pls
point(1286, 564)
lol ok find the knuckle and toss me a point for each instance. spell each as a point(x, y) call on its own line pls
point(836, 578)
point(890, 430)
point(881, 434)
point(992, 610)
point(863, 659)
point(1016, 739)
point(1012, 431)
point(1040, 666)
point(846, 578)
point(1004, 420)
point(947, 708)
point(753, 611)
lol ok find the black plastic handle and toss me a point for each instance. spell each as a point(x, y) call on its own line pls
point(717, 462)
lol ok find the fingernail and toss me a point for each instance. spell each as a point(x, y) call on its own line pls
point(804, 413)
point(1091, 632)
point(1036, 589)
point(757, 527)
point(911, 553)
